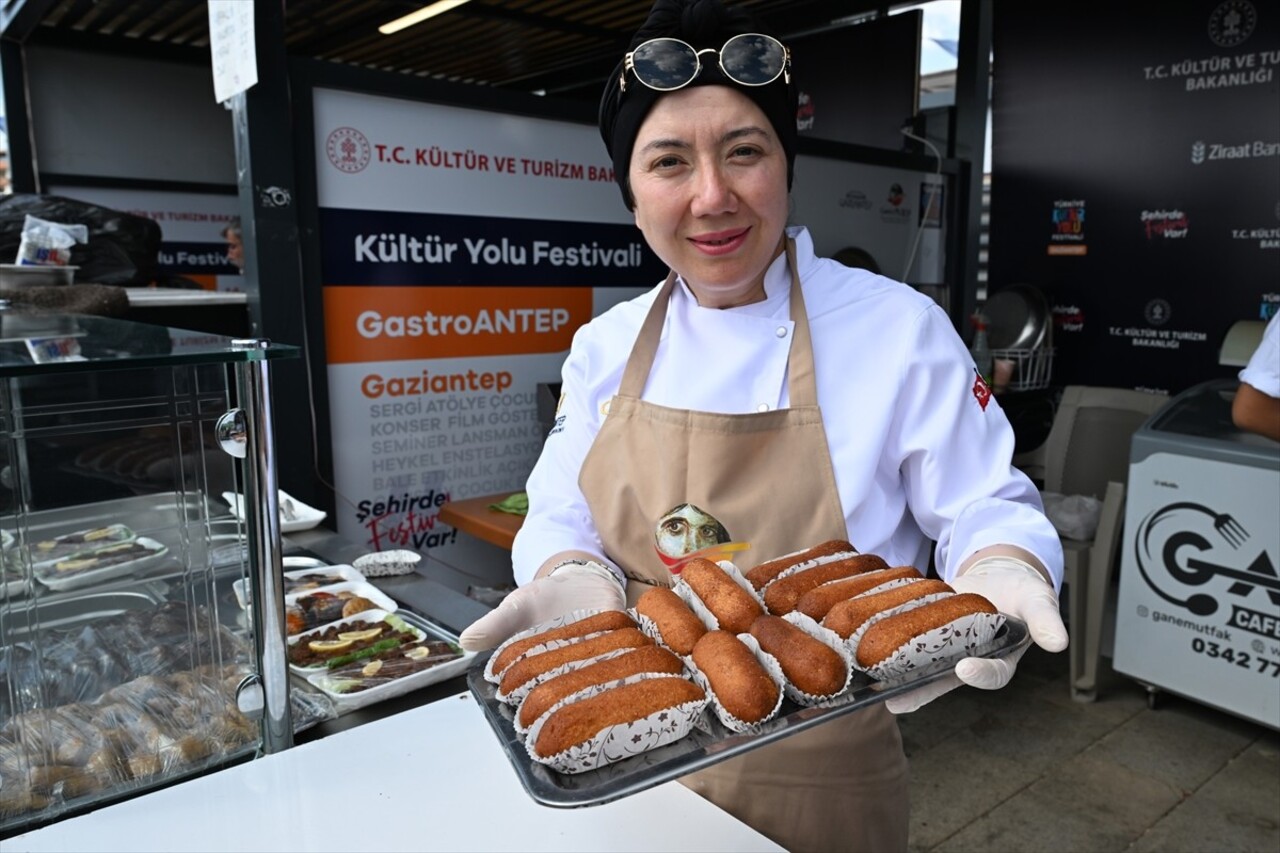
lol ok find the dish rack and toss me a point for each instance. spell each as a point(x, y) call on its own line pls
point(1032, 367)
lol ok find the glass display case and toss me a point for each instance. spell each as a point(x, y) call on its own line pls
point(125, 662)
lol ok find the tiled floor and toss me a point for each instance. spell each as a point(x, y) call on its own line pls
point(1028, 769)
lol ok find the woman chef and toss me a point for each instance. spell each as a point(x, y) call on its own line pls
point(788, 399)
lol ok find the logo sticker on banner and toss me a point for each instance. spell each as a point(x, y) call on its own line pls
point(348, 150)
point(1232, 22)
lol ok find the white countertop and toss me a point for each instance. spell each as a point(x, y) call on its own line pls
point(158, 297)
point(432, 778)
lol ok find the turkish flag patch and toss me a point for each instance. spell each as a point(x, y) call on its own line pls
point(981, 390)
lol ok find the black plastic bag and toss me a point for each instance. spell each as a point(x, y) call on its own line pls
point(123, 249)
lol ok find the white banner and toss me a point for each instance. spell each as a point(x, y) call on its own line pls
point(460, 251)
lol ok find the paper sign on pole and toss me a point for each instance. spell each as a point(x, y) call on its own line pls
point(231, 44)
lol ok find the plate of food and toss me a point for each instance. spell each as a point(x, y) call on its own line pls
point(309, 610)
point(303, 580)
point(106, 562)
point(393, 670)
point(46, 552)
point(366, 636)
point(295, 516)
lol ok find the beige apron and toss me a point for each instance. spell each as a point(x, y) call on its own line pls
point(767, 479)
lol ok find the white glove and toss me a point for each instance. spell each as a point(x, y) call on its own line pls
point(573, 586)
point(1017, 589)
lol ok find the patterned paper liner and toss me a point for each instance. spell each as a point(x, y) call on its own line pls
point(516, 696)
point(624, 740)
point(522, 731)
point(828, 638)
point(856, 637)
point(809, 564)
point(771, 666)
point(955, 640)
point(576, 616)
point(689, 597)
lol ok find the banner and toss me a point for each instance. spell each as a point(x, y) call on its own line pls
point(461, 249)
point(1136, 180)
point(191, 241)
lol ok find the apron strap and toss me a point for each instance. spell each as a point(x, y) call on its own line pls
point(800, 365)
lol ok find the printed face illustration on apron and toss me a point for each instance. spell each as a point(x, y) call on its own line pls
point(664, 485)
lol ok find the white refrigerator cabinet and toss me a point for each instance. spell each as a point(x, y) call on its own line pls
point(1198, 612)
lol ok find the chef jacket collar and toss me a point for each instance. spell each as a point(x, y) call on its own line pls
point(777, 291)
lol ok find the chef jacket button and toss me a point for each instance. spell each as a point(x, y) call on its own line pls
point(763, 407)
point(782, 332)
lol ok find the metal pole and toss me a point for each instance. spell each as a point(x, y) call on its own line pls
point(262, 514)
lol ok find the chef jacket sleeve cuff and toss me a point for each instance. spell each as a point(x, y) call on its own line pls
point(995, 521)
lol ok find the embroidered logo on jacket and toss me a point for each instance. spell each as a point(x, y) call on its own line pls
point(981, 390)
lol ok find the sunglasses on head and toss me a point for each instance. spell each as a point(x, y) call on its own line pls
point(667, 64)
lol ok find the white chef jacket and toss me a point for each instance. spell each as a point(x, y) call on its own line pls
point(1263, 369)
point(916, 455)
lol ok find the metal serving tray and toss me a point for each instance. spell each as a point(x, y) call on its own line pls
point(21, 621)
point(709, 743)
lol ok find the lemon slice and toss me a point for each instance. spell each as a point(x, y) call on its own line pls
point(371, 668)
point(321, 646)
point(360, 635)
point(418, 653)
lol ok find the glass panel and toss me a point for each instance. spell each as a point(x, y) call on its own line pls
point(121, 640)
point(41, 343)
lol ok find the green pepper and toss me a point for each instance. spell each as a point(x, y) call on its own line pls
point(376, 648)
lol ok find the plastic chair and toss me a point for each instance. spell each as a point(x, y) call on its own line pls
point(1087, 453)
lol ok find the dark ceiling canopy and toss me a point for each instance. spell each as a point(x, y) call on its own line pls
point(560, 47)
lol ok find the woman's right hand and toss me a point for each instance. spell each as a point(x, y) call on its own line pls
point(572, 586)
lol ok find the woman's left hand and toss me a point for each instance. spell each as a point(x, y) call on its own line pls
point(1015, 587)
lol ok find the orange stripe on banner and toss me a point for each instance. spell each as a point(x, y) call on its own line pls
point(401, 323)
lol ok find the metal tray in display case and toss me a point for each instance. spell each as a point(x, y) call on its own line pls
point(707, 744)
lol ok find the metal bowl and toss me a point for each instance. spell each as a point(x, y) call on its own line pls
point(1017, 318)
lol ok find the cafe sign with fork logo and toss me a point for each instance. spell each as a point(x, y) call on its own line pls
point(1206, 562)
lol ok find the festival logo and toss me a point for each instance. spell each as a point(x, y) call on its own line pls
point(348, 150)
point(1165, 224)
point(804, 112)
point(405, 520)
point(1067, 236)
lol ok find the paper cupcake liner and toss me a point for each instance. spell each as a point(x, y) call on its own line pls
point(771, 666)
point(953, 641)
point(856, 637)
point(622, 741)
point(809, 564)
point(516, 696)
point(587, 693)
point(576, 616)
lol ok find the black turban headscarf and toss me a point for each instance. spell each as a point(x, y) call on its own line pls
point(703, 24)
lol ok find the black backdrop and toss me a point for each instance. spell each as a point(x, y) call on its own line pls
point(1136, 179)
